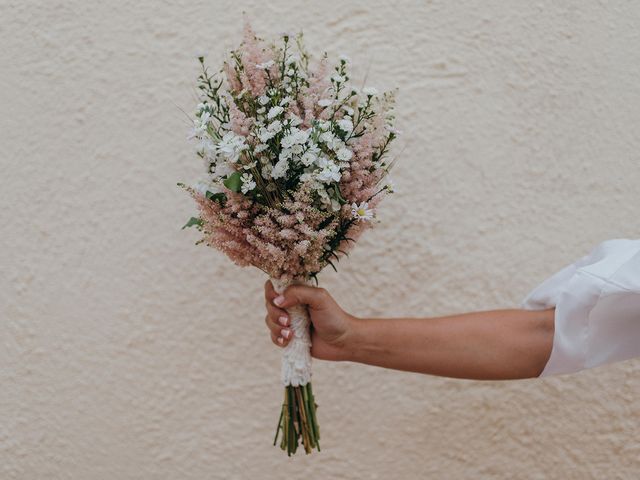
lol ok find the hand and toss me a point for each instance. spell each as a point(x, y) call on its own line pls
point(331, 325)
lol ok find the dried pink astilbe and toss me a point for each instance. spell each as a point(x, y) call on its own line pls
point(279, 244)
point(240, 123)
point(253, 55)
point(235, 85)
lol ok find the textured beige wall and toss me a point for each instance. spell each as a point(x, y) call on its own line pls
point(128, 353)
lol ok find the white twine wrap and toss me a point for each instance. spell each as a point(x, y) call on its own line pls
point(296, 356)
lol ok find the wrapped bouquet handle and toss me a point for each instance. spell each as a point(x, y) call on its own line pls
point(298, 416)
point(296, 356)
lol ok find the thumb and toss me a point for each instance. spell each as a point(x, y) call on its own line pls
point(315, 298)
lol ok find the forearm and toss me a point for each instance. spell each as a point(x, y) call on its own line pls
point(494, 345)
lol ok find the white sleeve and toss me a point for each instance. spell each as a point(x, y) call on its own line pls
point(597, 301)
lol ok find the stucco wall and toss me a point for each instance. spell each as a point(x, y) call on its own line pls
point(128, 353)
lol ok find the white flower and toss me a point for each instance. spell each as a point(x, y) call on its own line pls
point(280, 168)
point(293, 59)
point(294, 120)
point(324, 125)
point(263, 99)
point(285, 101)
point(344, 154)
point(338, 78)
point(261, 147)
point(344, 58)
point(285, 153)
point(200, 125)
point(264, 134)
point(265, 65)
point(324, 196)
point(275, 126)
point(393, 130)
point(329, 171)
point(348, 109)
point(287, 141)
point(369, 91)
point(295, 137)
point(345, 124)
point(247, 183)
point(204, 186)
point(266, 171)
point(205, 146)
point(326, 137)
point(302, 136)
point(325, 102)
point(332, 142)
point(274, 112)
point(361, 212)
point(231, 146)
point(310, 156)
point(222, 169)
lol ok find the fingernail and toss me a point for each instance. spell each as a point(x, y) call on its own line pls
point(283, 321)
point(285, 333)
point(280, 340)
point(278, 300)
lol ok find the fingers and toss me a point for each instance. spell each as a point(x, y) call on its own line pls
point(315, 298)
point(276, 314)
point(279, 335)
point(277, 319)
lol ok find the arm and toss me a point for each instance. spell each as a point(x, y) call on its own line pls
point(495, 345)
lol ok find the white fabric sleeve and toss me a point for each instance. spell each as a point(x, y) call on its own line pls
point(597, 302)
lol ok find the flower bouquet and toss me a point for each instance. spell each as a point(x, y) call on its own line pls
point(296, 164)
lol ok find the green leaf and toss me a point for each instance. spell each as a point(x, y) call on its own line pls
point(233, 182)
point(216, 197)
point(193, 221)
point(341, 199)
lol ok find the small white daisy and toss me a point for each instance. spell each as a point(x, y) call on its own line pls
point(362, 211)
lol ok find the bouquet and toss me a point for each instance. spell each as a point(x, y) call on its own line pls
point(295, 161)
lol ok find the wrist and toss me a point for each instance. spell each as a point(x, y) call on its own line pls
point(354, 338)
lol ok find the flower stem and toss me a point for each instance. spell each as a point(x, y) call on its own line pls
point(298, 422)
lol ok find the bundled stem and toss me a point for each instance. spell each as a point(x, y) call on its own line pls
point(298, 422)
